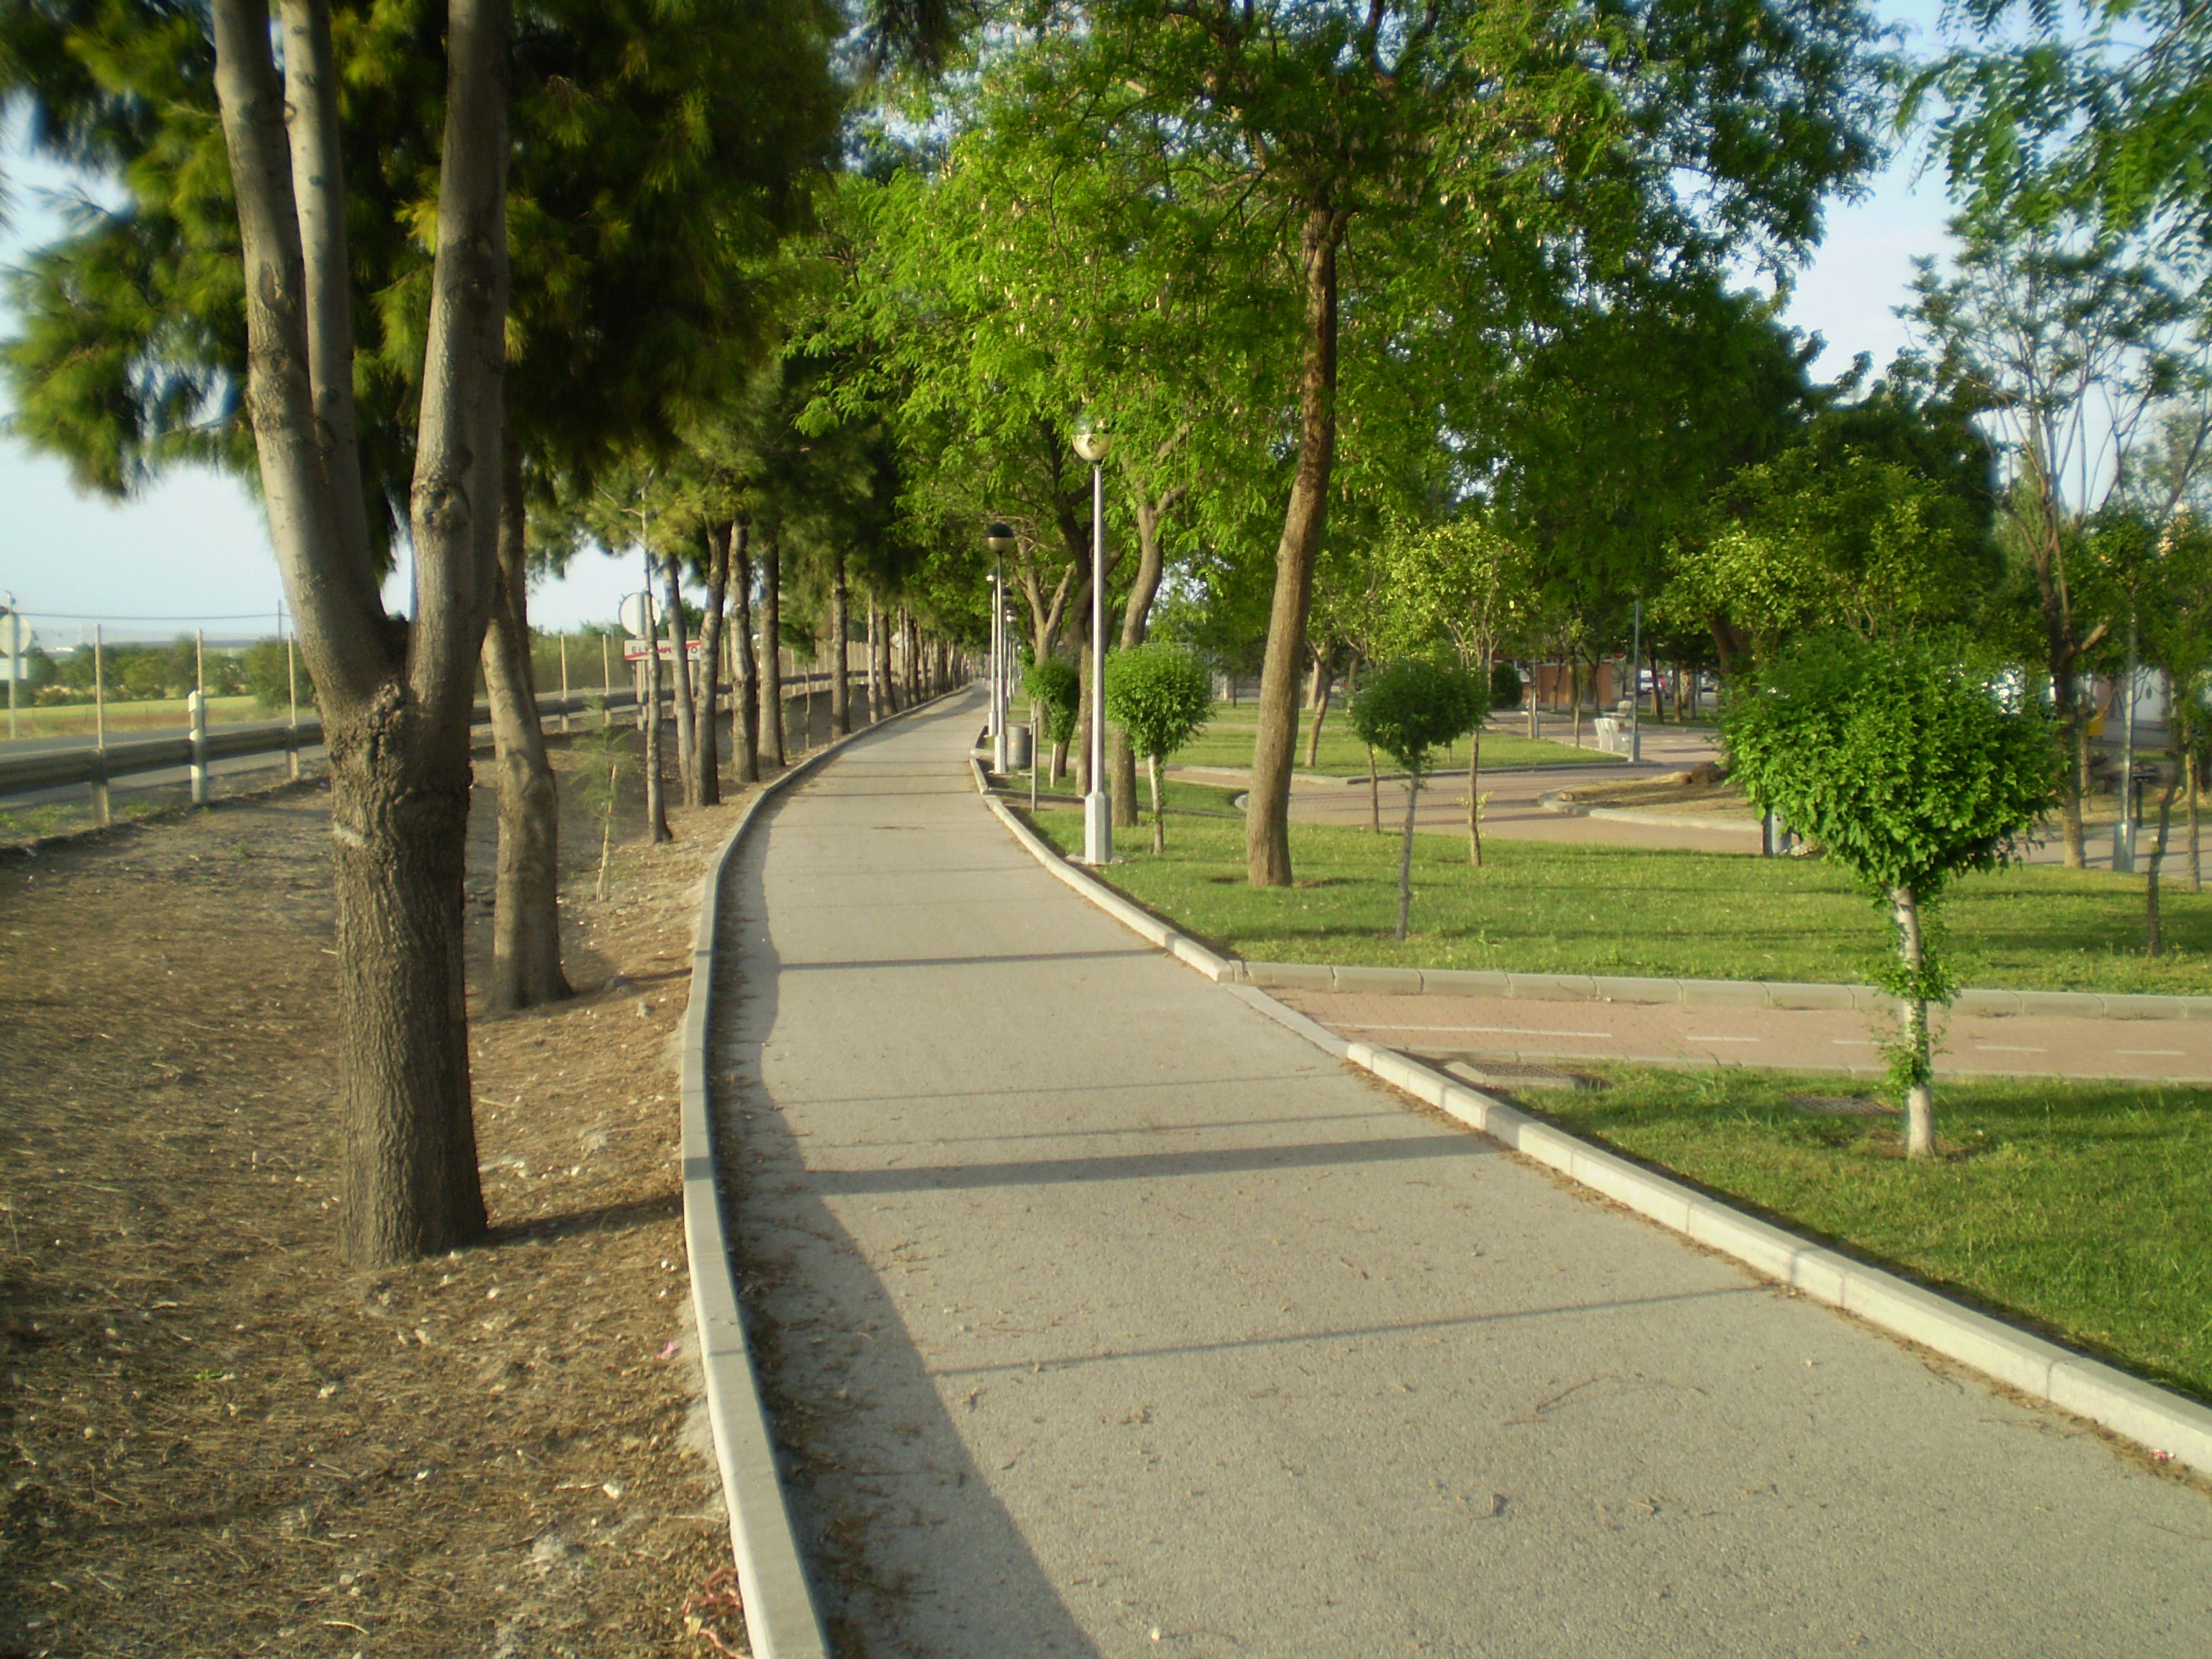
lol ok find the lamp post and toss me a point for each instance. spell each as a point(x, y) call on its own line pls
point(1097, 807)
point(1000, 540)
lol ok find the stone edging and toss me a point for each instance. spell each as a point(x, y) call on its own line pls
point(2163, 1422)
point(1549, 801)
point(781, 1621)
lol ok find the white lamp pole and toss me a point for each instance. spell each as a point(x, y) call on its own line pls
point(999, 538)
point(1097, 805)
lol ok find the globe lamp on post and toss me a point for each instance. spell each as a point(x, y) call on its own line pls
point(1092, 445)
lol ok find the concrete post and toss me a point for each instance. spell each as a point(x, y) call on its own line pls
point(196, 712)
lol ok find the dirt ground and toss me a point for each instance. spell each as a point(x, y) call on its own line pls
point(218, 1441)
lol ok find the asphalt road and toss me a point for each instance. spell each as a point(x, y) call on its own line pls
point(1108, 1316)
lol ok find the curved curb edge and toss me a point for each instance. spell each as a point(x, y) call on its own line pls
point(781, 1621)
point(2162, 1422)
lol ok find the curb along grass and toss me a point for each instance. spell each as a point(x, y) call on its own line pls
point(781, 1621)
point(2166, 1424)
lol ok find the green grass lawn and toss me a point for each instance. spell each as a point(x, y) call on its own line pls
point(1227, 741)
point(53, 719)
point(2079, 1208)
point(1536, 907)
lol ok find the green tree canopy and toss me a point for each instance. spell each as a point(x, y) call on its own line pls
point(1911, 761)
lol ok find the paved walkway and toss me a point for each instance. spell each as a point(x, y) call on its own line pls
point(1968, 1045)
point(1110, 1317)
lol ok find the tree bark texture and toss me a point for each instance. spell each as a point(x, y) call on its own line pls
point(1159, 809)
point(771, 636)
point(1474, 797)
point(2195, 785)
point(876, 709)
point(1268, 816)
point(2154, 936)
point(1912, 1014)
point(679, 668)
point(526, 925)
point(651, 721)
point(841, 629)
point(1405, 855)
point(708, 693)
point(744, 689)
point(1136, 623)
point(1323, 681)
point(397, 698)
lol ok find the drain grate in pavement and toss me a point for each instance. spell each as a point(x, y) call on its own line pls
point(1840, 1106)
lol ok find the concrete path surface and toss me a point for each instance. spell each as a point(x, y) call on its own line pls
point(1519, 1029)
point(1103, 1315)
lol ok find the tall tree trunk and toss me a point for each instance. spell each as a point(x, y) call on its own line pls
point(744, 717)
point(1324, 682)
point(771, 661)
point(650, 720)
point(706, 736)
point(841, 629)
point(1136, 623)
point(2195, 786)
point(875, 710)
point(1912, 1013)
point(679, 667)
point(2153, 939)
point(1268, 816)
point(1474, 797)
point(525, 924)
point(1374, 795)
point(1082, 633)
point(397, 701)
point(1405, 853)
point(1159, 807)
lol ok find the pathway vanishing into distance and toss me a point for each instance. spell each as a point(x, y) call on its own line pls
point(1106, 1316)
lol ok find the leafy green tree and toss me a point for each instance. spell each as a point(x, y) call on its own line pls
point(2070, 342)
point(1431, 162)
point(1161, 697)
point(1408, 709)
point(2095, 108)
point(1467, 581)
point(1912, 762)
point(1055, 686)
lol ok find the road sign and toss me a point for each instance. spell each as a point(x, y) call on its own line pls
point(634, 650)
point(640, 617)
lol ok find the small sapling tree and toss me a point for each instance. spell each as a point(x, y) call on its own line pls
point(1160, 697)
point(1912, 763)
point(1056, 686)
point(1409, 709)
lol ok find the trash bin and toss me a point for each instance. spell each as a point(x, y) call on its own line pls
point(1017, 748)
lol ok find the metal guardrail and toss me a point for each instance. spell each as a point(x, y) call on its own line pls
point(94, 767)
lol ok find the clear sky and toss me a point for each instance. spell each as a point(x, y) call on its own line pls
point(194, 546)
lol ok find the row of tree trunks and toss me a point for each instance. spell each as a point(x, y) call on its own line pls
point(679, 667)
point(841, 629)
point(708, 759)
point(771, 662)
point(744, 718)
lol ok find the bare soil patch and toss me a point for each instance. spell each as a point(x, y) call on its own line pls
point(219, 1440)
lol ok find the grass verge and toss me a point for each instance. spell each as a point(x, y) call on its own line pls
point(1537, 907)
point(2074, 1207)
